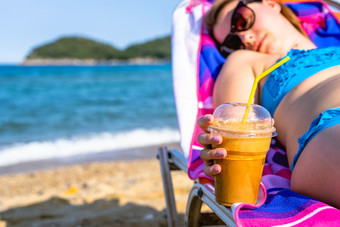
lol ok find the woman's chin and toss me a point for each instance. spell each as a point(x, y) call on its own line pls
point(276, 49)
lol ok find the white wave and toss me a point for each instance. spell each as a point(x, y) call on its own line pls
point(86, 144)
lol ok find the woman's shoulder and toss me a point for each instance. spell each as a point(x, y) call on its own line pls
point(257, 61)
point(236, 78)
point(252, 57)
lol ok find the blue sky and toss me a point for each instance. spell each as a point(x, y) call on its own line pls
point(26, 24)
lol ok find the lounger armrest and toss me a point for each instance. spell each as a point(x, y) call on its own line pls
point(205, 193)
point(334, 3)
point(178, 159)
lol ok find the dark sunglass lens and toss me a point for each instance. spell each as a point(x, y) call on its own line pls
point(231, 43)
point(243, 18)
point(240, 23)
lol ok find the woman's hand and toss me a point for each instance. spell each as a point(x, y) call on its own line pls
point(206, 140)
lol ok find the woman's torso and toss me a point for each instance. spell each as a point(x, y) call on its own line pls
point(304, 102)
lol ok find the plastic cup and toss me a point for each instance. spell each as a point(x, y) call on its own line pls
point(247, 145)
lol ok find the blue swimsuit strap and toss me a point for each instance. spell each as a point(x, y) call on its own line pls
point(302, 65)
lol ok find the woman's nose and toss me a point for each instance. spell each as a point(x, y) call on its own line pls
point(247, 38)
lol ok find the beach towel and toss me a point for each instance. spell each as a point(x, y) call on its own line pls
point(319, 23)
point(194, 53)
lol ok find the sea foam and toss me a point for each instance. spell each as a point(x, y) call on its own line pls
point(92, 143)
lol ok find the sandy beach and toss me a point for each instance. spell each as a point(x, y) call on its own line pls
point(121, 191)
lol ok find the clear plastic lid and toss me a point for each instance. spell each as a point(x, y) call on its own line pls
point(229, 116)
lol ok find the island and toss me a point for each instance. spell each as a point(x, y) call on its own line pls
point(81, 50)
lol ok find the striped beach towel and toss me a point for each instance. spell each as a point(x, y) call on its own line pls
point(319, 22)
point(280, 206)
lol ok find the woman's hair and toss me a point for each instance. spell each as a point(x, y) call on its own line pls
point(210, 18)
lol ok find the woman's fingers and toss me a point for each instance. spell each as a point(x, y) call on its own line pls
point(204, 121)
point(210, 154)
point(207, 139)
point(212, 170)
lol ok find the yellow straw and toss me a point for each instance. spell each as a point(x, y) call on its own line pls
point(257, 79)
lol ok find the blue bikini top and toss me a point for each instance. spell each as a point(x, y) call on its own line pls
point(302, 65)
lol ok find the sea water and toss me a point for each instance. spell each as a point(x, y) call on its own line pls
point(58, 111)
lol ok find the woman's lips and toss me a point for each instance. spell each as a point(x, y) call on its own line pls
point(260, 44)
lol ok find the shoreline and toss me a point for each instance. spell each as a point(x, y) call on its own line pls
point(138, 153)
point(92, 62)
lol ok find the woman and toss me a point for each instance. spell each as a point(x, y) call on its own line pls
point(302, 95)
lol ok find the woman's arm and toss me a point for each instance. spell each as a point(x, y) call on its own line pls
point(236, 77)
point(234, 84)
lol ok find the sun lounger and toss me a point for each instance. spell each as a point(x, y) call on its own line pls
point(196, 63)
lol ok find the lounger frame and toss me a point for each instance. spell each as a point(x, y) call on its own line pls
point(174, 160)
point(199, 194)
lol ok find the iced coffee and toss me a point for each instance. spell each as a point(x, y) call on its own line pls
point(246, 144)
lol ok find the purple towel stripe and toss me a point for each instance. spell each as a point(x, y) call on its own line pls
point(276, 215)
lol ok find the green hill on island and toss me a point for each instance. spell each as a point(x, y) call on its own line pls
point(83, 48)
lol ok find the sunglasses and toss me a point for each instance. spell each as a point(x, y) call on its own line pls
point(242, 19)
